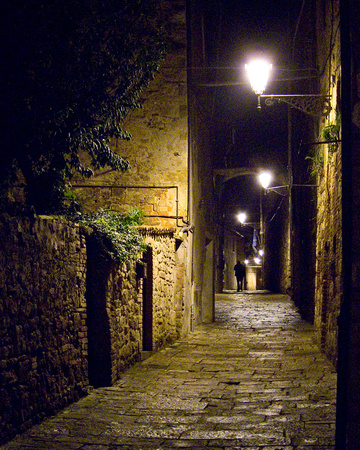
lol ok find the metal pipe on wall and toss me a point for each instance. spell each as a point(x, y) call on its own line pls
point(117, 186)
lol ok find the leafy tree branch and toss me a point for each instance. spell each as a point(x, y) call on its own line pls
point(74, 69)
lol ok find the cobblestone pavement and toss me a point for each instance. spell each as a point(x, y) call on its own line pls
point(252, 380)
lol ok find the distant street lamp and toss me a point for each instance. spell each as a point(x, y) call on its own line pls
point(265, 179)
point(241, 217)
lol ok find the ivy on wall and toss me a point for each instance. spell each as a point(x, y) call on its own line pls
point(316, 158)
point(116, 233)
point(330, 135)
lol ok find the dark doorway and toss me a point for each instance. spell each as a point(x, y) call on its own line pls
point(99, 343)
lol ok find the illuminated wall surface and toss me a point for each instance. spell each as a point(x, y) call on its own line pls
point(328, 288)
point(158, 150)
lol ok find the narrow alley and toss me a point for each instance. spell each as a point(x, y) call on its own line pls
point(254, 379)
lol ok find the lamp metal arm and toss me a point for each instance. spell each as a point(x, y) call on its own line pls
point(286, 186)
point(315, 105)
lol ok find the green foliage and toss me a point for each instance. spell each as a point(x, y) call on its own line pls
point(331, 133)
point(73, 70)
point(116, 233)
point(316, 159)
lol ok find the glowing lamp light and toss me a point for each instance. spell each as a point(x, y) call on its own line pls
point(241, 217)
point(258, 72)
point(246, 261)
point(265, 179)
point(257, 260)
point(261, 252)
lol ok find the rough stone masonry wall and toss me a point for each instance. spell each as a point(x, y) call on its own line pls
point(328, 283)
point(68, 314)
point(43, 339)
point(114, 316)
point(278, 268)
point(124, 291)
point(328, 287)
point(168, 305)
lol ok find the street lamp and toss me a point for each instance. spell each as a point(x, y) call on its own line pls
point(312, 104)
point(265, 179)
point(259, 72)
point(241, 217)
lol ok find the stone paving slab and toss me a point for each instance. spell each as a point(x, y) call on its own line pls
point(255, 380)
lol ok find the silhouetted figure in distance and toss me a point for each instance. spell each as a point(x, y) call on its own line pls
point(240, 275)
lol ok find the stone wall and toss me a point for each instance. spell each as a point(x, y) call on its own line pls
point(117, 318)
point(71, 318)
point(328, 283)
point(43, 338)
point(182, 305)
point(328, 292)
point(202, 209)
point(277, 270)
point(114, 316)
point(158, 150)
point(230, 259)
point(168, 285)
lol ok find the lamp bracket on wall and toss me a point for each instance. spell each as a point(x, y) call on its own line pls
point(313, 105)
point(284, 190)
